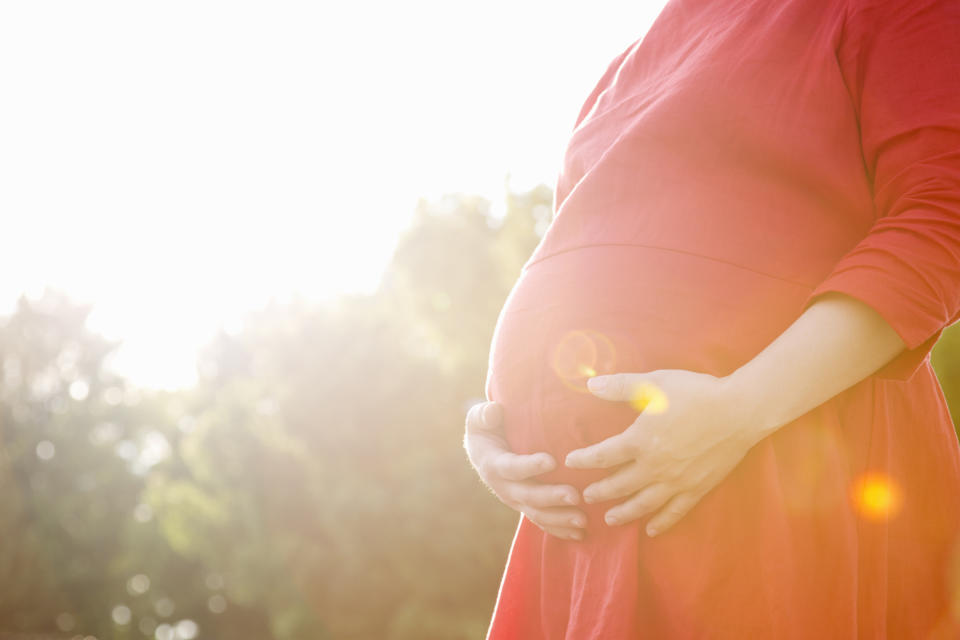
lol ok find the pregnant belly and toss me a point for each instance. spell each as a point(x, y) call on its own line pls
point(620, 309)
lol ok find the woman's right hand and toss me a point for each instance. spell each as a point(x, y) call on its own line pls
point(511, 476)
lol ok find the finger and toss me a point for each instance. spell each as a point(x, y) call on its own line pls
point(605, 454)
point(640, 390)
point(565, 533)
point(672, 512)
point(620, 483)
point(565, 517)
point(615, 386)
point(516, 466)
point(541, 495)
point(640, 504)
point(492, 415)
point(484, 416)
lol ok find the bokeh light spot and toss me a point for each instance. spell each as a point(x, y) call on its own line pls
point(186, 629)
point(138, 584)
point(143, 513)
point(876, 496)
point(113, 396)
point(217, 603)
point(79, 390)
point(120, 614)
point(649, 398)
point(46, 450)
point(65, 621)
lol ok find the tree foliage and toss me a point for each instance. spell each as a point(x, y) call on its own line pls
point(312, 485)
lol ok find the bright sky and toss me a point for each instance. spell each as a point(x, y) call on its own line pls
point(177, 163)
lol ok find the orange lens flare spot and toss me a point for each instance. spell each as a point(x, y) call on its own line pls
point(581, 354)
point(649, 398)
point(876, 496)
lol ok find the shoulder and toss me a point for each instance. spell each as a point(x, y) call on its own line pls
point(604, 81)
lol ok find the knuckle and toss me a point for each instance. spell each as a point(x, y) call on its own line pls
point(493, 469)
point(536, 524)
point(689, 483)
point(485, 468)
point(613, 489)
point(632, 447)
point(556, 519)
point(473, 416)
point(675, 510)
point(673, 454)
point(627, 512)
point(501, 465)
point(641, 505)
point(618, 385)
point(541, 497)
point(533, 516)
point(671, 515)
point(516, 467)
point(505, 499)
point(520, 494)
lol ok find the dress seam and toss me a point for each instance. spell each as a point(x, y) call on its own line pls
point(670, 249)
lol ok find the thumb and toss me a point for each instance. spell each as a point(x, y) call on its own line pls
point(616, 386)
point(639, 390)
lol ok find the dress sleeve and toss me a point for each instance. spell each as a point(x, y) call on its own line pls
point(900, 60)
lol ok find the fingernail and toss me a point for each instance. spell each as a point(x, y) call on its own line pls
point(611, 519)
point(570, 499)
point(588, 498)
point(652, 531)
point(596, 384)
point(577, 522)
point(577, 535)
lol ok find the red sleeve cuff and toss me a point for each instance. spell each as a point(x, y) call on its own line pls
point(903, 309)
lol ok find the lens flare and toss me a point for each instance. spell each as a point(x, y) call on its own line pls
point(581, 354)
point(876, 496)
point(649, 398)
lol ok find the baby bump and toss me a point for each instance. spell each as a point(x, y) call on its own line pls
point(602, 310)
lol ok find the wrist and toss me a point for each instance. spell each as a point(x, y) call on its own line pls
point(755, 411)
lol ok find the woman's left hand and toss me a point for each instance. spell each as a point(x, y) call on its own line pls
point(691, 432)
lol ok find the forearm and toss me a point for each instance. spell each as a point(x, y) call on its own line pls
point(837, 342)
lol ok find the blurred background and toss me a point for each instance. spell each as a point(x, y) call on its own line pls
point(251, 261)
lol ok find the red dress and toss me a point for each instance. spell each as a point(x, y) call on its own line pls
point(740, 159)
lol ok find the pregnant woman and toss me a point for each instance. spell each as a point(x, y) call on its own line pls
point(710, 393)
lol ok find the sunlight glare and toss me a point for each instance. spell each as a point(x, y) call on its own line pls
point(649, 398)
point(876, 496)
point(177, 164)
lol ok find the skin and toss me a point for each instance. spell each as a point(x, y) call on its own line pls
point(671, 458)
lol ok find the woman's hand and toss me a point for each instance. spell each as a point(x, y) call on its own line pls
point(691, 432)
point(511, 476)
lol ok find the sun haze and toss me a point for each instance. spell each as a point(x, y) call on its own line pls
point(176, 164)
